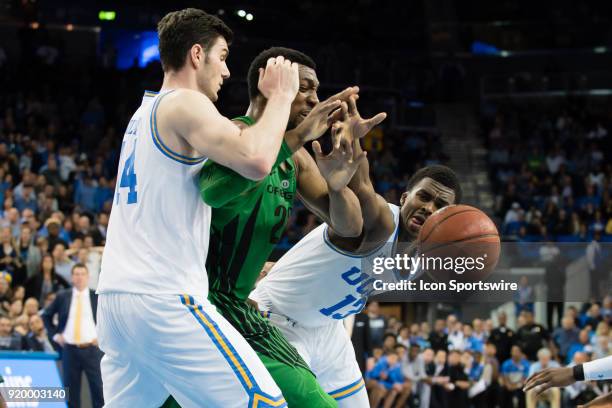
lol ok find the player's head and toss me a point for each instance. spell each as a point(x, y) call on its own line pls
point(429, 189)
point(196, 43)
point(306, 97)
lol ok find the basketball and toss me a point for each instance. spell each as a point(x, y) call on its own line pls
point(459, 242)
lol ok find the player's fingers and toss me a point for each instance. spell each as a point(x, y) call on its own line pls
point(316, 147)
point(370, 123)
point(344, 109)
point(352, 105)
point(271, 62)
point(261, 74)
point(280, 59)
point(360, 158)
point(328, 106)
point(335, 115)
point(344, 94)
point(535, 381)
point(540, 389)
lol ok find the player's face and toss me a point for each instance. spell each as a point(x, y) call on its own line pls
point(212, 70)
point(306, 98)
point(426, 197)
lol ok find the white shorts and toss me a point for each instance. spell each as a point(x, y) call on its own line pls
point(329, 352)
point(161, 345)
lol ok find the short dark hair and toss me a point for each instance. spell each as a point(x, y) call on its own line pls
point(78, 265)
point(179, 30)
point(261, 60)
point(442, 174)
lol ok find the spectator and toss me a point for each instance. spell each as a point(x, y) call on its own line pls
point(385, 376)
point(403, 337)
point(552, 395)
point(377, 324)
point(402, 387)
point(438, 339)
point(53, 226)
point(524, 297)
point(389, 342)
point(456, 339)
point(565, 335)
point(437, 379)
point(9, 340)
point(491, 374)
point(46, 282)
point(502, 337)
point(63, 264)
point(360, 337)
point(37, 339)
point(9, 257)
point(30, 307)
point(531, 336)
point(11, 220)
point(76, 334)
point(458, 382)
point(413, 368)
point(514, 372)
point(29, 253)
point(582, 345)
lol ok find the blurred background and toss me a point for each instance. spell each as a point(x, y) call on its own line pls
point(514, 95)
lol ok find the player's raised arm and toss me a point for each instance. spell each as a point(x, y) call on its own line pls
point(337, 169)
point(252, 151)
point(374, 208)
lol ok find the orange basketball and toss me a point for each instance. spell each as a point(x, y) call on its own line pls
point(459, 242)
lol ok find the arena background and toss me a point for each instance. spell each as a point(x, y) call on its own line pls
point(513, 95)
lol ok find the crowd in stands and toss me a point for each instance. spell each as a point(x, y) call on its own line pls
point(479, 363)
point(552, 173)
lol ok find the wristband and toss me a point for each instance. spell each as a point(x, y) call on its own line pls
point(578, 372)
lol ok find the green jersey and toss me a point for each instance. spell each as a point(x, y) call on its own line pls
point(248, 219)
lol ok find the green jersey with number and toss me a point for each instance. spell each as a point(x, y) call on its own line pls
point(248, 219)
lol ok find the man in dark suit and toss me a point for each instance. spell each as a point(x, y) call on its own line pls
point(76, 333)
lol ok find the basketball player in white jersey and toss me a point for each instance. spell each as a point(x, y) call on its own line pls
point(322, 279)
point(158, 331)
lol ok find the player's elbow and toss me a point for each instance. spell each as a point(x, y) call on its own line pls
point(351, 230)
point(257, 168)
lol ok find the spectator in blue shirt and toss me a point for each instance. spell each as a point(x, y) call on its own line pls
point(583, 344)
point(514, 372)
point(384, 377)
point(552, 395)
point(565, 335)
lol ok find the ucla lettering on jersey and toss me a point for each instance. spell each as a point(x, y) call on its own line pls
point(315, 282)
point(158, 232)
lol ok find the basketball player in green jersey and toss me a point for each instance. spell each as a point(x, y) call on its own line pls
point(249, 218)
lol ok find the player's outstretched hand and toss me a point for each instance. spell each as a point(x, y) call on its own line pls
point(548, 378)
point(353, 126)
point(323, 115)
point(338, 167)
point(279, 78)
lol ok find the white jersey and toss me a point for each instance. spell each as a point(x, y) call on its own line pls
point(158, 231)
point(315, 283)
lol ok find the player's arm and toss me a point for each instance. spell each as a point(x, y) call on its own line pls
point(374, 208)
point(600, 369)
point(337, 168)
point(219, 184)
point(252, 151)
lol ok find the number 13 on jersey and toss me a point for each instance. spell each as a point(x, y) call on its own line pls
point(128, 177)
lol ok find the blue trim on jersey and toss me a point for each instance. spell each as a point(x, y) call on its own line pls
point(150, 93)
point(351, 255)
point(257, 398)
point(160, 144)
point(347, 391)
